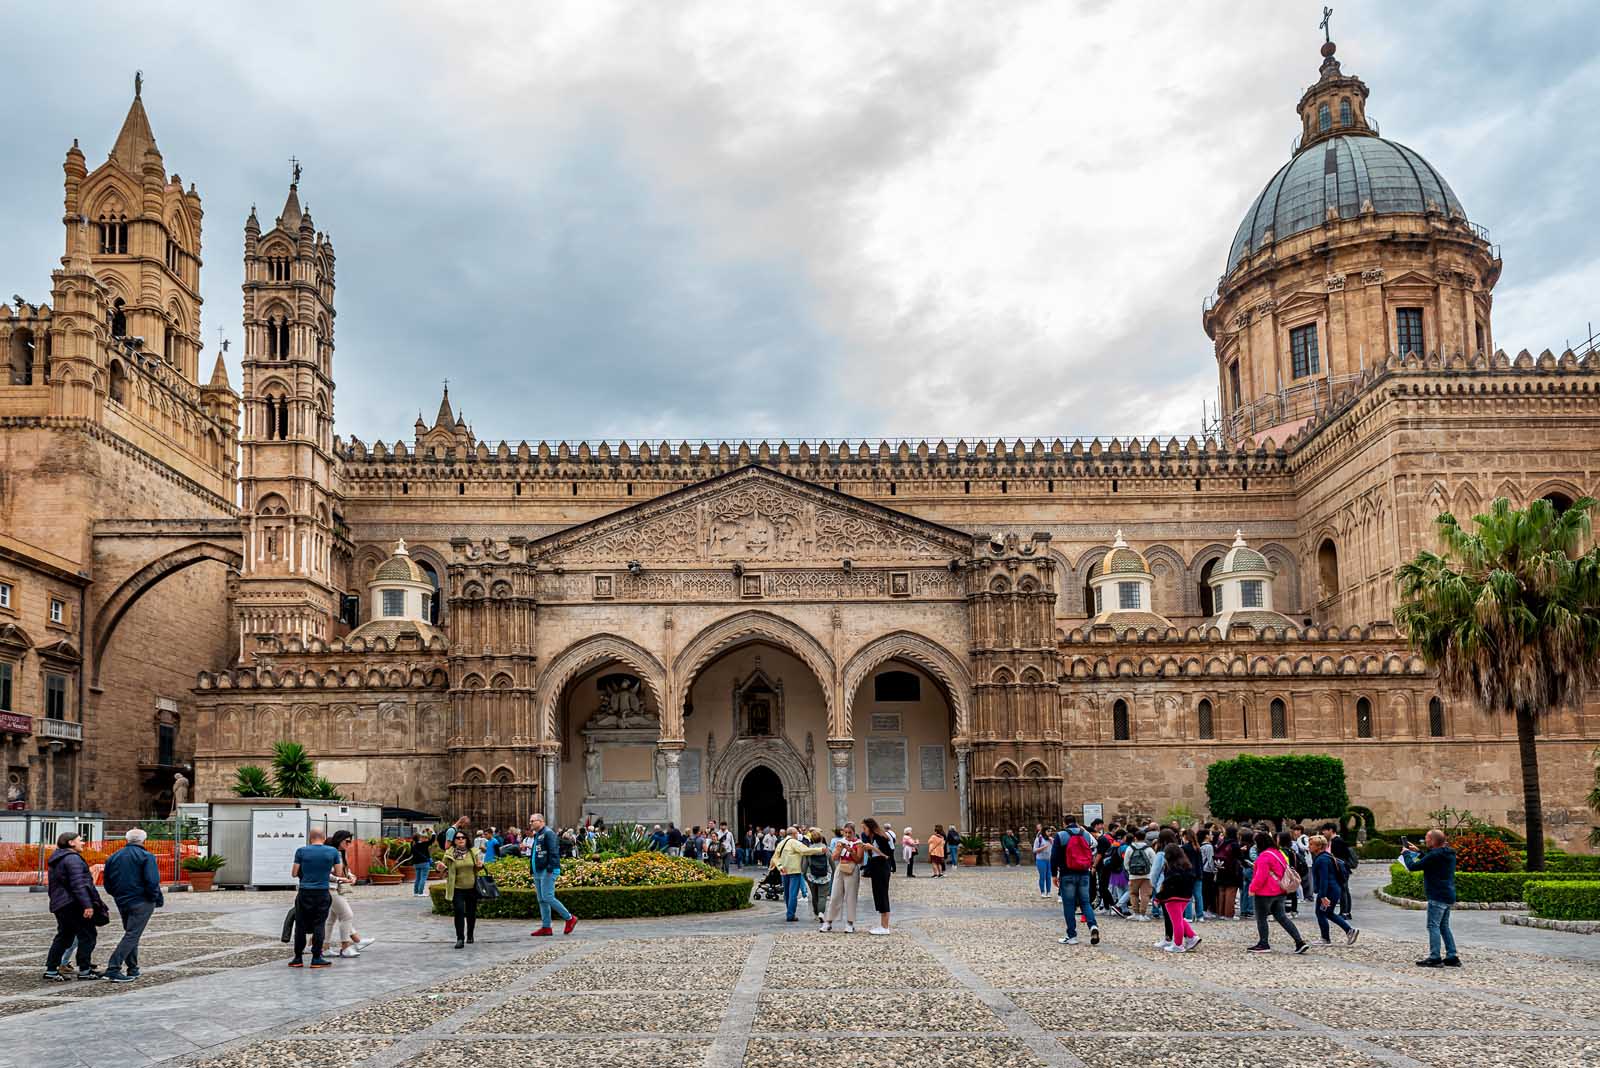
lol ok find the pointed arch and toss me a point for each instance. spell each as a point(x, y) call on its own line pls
point(948, 670)
point(741, 629)
point(141, 582)
point(582, 655)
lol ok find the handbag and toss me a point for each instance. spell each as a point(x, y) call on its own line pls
point(488, 889)
point(1289, 881)
point(102, 913)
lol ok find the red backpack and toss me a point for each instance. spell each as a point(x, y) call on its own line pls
point(1079, 851)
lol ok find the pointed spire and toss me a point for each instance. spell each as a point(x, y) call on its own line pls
point(445, 418)
point(219, 375)
point(289, 219)
point(136, 138)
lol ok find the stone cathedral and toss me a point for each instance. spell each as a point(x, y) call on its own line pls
point(986, 632)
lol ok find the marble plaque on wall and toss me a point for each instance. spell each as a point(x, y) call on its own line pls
point(932, 761)
point(886, 764)
point(889, 806)
point(689, 771)
point(886, 722)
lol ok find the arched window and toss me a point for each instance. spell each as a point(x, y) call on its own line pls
point(1559, 500)
point(119, 383)
point(1327, 570)
point(22, 358)
point(1089, 609)
point(119, 319)
point(1435, 718)
point(1208, 729)
point(896, 686)
point(169, 345)
point(1324, 118)
point(1119, 720)
point(1363, 718)
point(1346, 114)
point(430, 605)
point(113, 234)
point(278, 338)
point(1280, 719)
point(1208, 599)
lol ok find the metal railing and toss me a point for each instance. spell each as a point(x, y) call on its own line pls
point(155, 758)
point(1292, 402)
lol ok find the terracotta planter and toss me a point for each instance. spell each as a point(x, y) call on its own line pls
point(436, 875)
point(392, 879)
point(408, 872)
point(969, 859)
point(200, 880)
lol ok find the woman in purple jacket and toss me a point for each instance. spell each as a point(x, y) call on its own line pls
point(74, 902)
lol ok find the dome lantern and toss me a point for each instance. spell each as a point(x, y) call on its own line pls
point(1122, 587)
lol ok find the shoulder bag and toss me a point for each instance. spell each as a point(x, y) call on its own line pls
point(1289, 881)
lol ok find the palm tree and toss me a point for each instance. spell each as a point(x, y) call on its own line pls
point(296, 775)
point(250, 781)
point(1510, 617)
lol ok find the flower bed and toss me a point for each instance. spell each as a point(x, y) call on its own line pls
point(641, 884)
point(1473, 886)
point(1577, 899)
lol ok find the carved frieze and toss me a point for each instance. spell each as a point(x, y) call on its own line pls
point(800, 584)
point(1373, 276)
point(1335, 283)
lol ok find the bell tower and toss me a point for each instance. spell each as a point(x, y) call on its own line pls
point(287, 470)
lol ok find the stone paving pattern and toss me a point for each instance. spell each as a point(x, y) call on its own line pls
point(974, 974)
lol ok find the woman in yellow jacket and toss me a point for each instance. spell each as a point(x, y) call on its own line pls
point(790, 858)
point(936, 850)
point(462, 866)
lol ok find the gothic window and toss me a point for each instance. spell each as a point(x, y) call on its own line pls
point(1234, 391)
point(430, 604)
point(394, 603)
point(172, 255)
point(1363, 718)
point(1250, 593)
point(168, 345)
point(1280, 719)
point(1324, 118)
point(1208, 729)
point(113, 234)
point(119, 383)
point(22, 358)
point(1327, 569)
point(1089, 608)
point(1119, 721)
point(1128, 595)
point(1208, 598)
point(119, 319)
point(1303, 350)
point(1477, 330)
point(1559, 501)
point(896, 686)
point(1346, 114)
point(1435, 718)
point(55, 696)
point(1408, 330)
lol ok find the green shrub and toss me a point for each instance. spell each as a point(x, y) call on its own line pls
point(1355, 817)
point(1273, 788)
point(209, 862)
point(1564, 900)
point(1478, 885)
point(1377, 849)
point(1559, 862)
point(616, 902)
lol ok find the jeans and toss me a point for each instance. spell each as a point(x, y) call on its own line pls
point(1198, 902)
point(1075, 895)
point(70, 925)
point(1247, 904)
point(134, 917)
point(545, 881)
point(310, 915)
point(1438, 929)
point(1330, 913)
point(1272, 905)
point(1043, 864)
point(791, 893)
point(421, 885)
point(1011, 855)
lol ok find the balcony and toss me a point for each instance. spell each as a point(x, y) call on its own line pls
point(156, 762)
point(63, 729)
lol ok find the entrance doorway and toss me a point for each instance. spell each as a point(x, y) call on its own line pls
point(761, 800)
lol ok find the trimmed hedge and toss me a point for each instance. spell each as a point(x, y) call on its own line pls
point(616, 902)
point(1479, 885)
point(1377, 849)
point(1570, 900)
point(1295, 786)
point(1561, 862)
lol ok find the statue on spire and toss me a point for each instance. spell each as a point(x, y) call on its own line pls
point(138, 83)
point(294, 171)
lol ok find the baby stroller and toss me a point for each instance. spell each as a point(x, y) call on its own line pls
point(770, 888)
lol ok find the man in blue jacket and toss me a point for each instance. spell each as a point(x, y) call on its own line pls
point(1071, 857)
point(546, 863)
point(133, 880)
point(1438, 866)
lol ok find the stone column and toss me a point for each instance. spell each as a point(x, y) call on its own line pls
point(671, 754)
point(550, 765)
point(840, 752)
point(963, 761)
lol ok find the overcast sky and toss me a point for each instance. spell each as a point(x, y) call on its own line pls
point(763, 220)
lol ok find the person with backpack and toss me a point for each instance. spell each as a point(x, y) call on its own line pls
point(1229, 873)
point(1071, 858)
point(1043, 843)
point(818, 873)
point(1348, 862)
point(1325, 877)
point(1138, 859)
point(1175, 896)
point(1114, 877)
point(1273, 880)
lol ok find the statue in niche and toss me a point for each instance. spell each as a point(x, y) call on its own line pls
point(591, 770)
point(619, 703)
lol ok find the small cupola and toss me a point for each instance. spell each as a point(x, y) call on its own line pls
point(1241, 586)
point(1123, 586)
point(400, 600)
point(1335, 104)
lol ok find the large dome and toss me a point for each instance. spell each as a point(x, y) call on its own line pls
point(1344, 172)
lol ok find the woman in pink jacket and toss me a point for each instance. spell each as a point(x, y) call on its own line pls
point(1267, 888)
point(908, 846)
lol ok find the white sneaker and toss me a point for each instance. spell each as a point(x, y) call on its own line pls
point(1163, 944)
point(849, 928)
point(350, 951)
point(879, 931)
point(1175, 949)
point(1068, 940)
point(364, 943)
point(826, 926)
point(1190, 942)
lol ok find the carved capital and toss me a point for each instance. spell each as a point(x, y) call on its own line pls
point(1335, 283)
point(1241, 320)
point(1373, 276)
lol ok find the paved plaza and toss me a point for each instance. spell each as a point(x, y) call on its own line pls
point(973, 976)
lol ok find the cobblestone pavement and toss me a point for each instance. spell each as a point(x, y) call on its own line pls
point(974, 972)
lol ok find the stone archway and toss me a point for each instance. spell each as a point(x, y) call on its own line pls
point(761, 802)
point(743, 629)
point(580, 657)
point(739, 759)
point(141, 582)
point(947, 669)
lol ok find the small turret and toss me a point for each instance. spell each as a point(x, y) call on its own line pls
point(75, 171)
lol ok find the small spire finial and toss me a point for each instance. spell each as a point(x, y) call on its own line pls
point(294, 171)
point(138, 84)
point(1326, 25)
point(1238, 539)
point(400, 550)
point(1119, 543)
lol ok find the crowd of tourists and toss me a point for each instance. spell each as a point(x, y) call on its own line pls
point(804, 864)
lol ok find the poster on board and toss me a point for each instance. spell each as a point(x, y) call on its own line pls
point(275, 833)
point(1092, 813)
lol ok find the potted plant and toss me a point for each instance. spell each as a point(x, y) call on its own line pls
point(971, 849)
point(202, 871)
point(380, 874)
point(436, 871)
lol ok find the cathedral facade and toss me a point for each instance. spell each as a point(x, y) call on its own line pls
point(985, 632)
